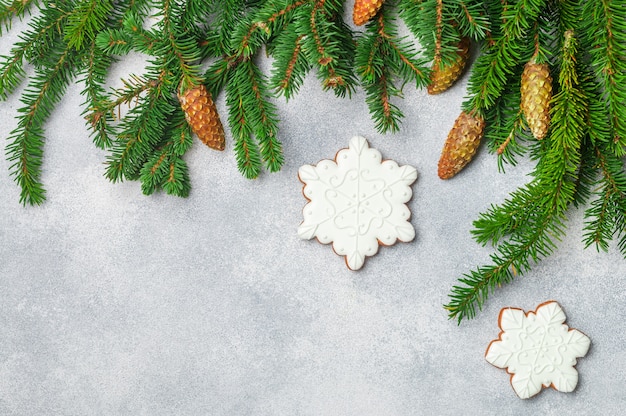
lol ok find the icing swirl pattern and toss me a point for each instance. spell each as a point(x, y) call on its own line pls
point(356, 202)
point(538, 349)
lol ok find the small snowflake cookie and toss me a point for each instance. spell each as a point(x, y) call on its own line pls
point(357, 202)
point(538, 349)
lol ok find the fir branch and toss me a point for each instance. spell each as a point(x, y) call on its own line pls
point(35, 43)
point(182, 51)
point(520, 16)
point(182, 137)
point(605, 215)
point(290, 65)
point(496, 65)
point(244, 118)
point(529, 243)
point(85, 21)
point(329, 46)
point(264, 119)
point(44, 33)
point(165, 169)
point(380, 58)
point(440, 25)
point(25, 152)
point(504, 132)
point(438, 30)
point(140, 133)
point(11, 72)
point(115, 41)
point(227, 19)
point(121, 39)
point(9, 10)
point(177, 182)
point(155, 171)
point(94, 70)
point(472, 19)
point(248, 37)
point(605, 29)
point(269, 19)
point(535, 216)
point(246, 150)
point(132, 89)
point(218, 74)
point(503, 220)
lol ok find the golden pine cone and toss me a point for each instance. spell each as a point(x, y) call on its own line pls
point(364, 10)
point(442, 77)
point(201, 114)
point(461, 144)
point(536, 93)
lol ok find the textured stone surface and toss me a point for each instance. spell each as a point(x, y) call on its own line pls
point(115, 303)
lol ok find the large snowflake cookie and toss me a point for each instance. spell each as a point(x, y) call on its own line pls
point(357, 202)
point(538, 349)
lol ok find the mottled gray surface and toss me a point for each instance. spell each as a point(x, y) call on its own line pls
point(114, 303)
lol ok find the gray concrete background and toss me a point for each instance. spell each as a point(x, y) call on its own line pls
point(114, 303)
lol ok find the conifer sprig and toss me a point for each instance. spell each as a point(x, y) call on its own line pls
point(94, 71)
point(604, 24)
point(524, 229)
point(383, 60)
point(220, 44)
point(25, 151)
point(10, 10)
point(302, 37)
point(87, 19)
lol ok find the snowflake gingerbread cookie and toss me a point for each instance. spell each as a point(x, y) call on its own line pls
point(357, 202)
point(538, 349)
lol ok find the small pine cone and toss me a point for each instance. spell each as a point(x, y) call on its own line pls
point(442, 78)
point(201, 114)
point(461, 144)
point(536, 93)
point(364, 10)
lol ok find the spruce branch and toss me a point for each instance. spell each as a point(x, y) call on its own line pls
point(94, 70)
point(290, 66)
point(140, 132)
point(300, 36)
point(513, 257)
point(382, 60)
point(605, 37)
point(496, 65)
point(525, 227)
point(33, 46)
point(606, 214)
point(330, 46)
point(578, 164)
point(45, 33)
point(264, 119)
point(183, 52)
point(240, 106)
point(10, 10)
point(505, 133)
point(86, 20)
point(25, 152)
point(165, 169)
point(472, 19)
point(115, 41)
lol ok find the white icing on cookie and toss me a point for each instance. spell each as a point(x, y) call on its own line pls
point(538, 349)
point(357, 201)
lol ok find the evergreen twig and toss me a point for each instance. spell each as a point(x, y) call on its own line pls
point(220, 44)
